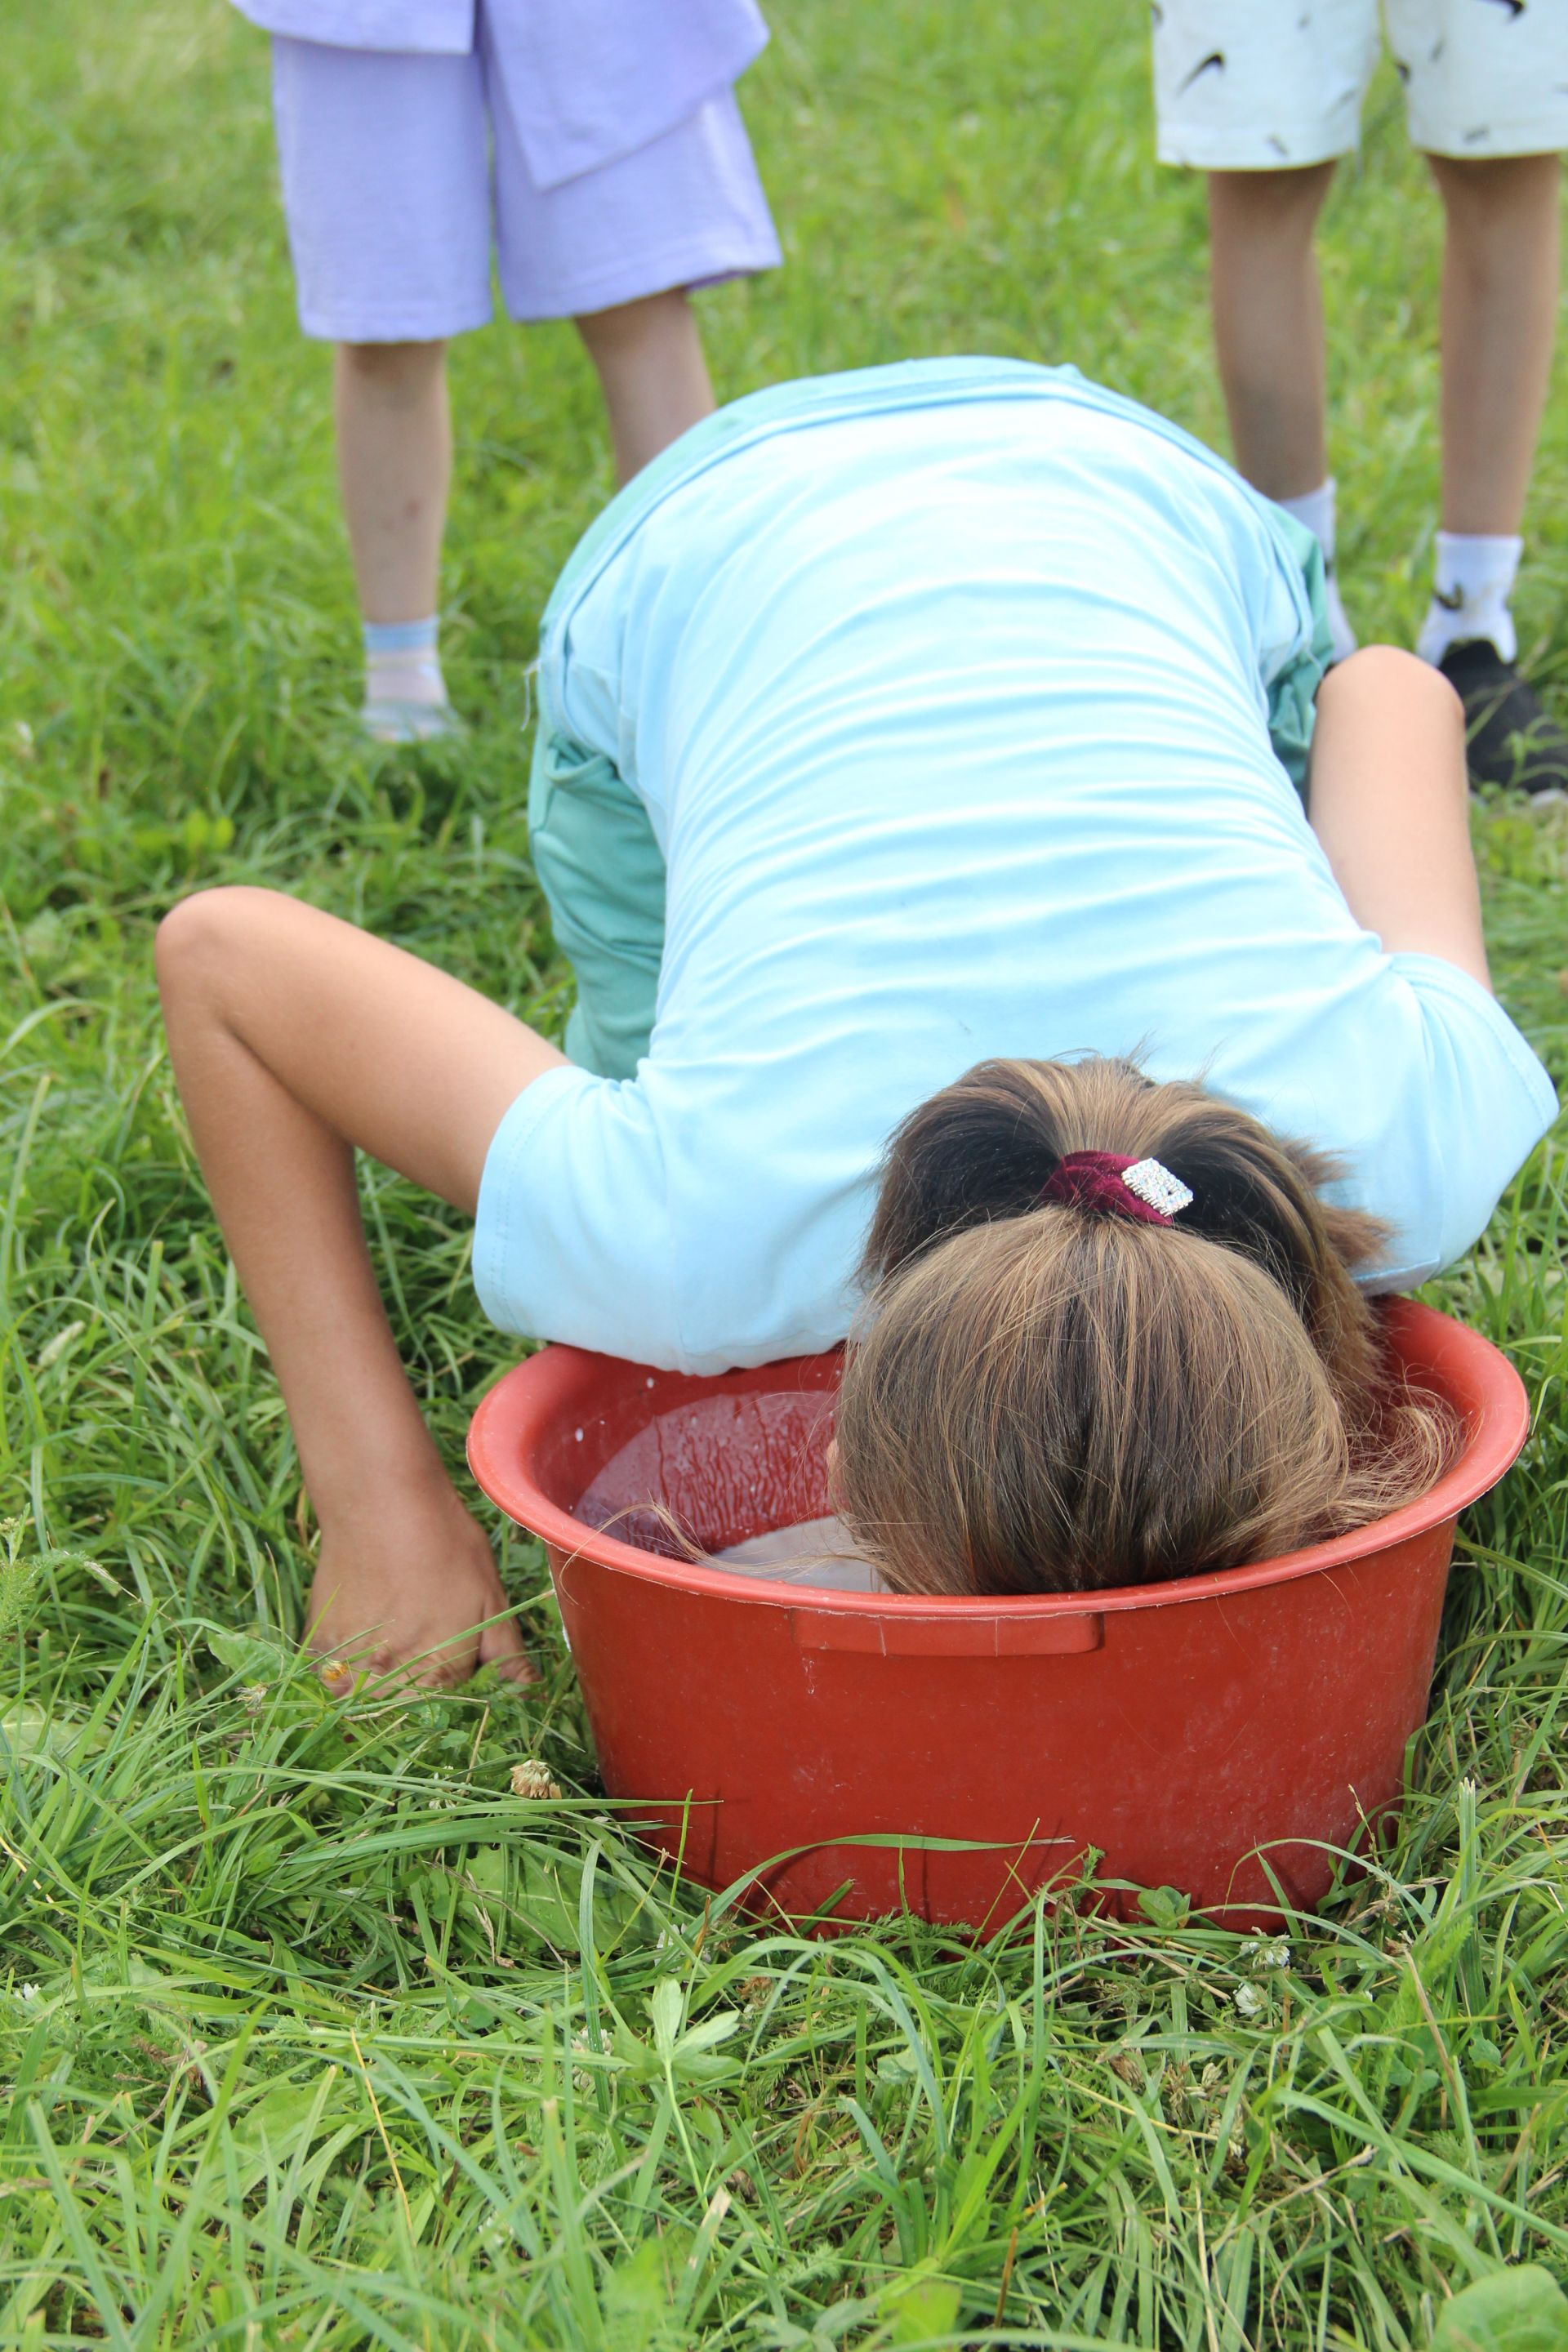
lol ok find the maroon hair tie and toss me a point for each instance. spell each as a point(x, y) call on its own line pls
point(1110, 1182)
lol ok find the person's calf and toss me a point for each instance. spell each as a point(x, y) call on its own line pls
point(1501, 286)
point(1268, 321)
point(649, 358)
point(394, 464)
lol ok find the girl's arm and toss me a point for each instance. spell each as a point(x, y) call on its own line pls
point(296, 1038)
point(1388, 798)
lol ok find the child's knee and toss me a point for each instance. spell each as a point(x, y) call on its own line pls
point(198, 939)
point(391, 367)
point(1380, 668)
point(1482, 191)
point(1268, 204)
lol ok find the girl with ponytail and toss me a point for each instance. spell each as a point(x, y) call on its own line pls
point(940, 754)
point(1081, 1366)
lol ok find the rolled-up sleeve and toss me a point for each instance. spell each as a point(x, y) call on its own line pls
point(1491, 1101)
point(572, 1239)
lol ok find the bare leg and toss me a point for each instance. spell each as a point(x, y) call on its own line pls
point(1268, 323)
point(295, 1038)
point(395, 462)
point(655, 378)
point(1500, 309)
point(1388, 800)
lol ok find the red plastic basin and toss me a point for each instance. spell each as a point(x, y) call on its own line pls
point(1210, 1734)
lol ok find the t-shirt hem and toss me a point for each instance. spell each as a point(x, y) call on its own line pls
point(1386, 1281)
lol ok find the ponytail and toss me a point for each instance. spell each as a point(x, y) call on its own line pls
point(1111, 1335)
point(986, 1148)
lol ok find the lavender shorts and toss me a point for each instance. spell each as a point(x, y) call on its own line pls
point(400, 169)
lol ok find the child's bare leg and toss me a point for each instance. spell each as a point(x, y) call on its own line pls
point(1268, 323)
point(1501, 282)
point(1269, 335)
point(295, 1038)
point(394, 465)
point(655, 378)
point(1499, 313)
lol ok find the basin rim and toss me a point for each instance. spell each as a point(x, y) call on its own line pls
point(525, 1401)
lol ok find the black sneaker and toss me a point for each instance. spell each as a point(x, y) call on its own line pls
point(1509, 738)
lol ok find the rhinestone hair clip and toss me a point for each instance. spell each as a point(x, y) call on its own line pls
point(1155, 1184)
point(1144, 1190)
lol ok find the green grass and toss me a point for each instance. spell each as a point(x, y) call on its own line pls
point(313, 2033)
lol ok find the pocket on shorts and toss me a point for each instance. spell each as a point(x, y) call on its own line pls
point(1293, 690)
point(603, 873)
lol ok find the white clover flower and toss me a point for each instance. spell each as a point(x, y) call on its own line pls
point(1247, 1999)
point(31, 1993)
point(1267, 1951)
point(531, 1779)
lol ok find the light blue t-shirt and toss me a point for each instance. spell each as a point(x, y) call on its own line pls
point(946, 688)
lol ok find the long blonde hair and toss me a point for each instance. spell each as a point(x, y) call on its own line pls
point(1044, 1397)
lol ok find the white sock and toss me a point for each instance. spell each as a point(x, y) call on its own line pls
point(402, 664)
point(1316, 510)
point(1473, 580)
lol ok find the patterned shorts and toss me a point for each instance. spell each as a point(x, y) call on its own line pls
point(1266, 85)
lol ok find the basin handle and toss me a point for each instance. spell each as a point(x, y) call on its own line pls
point(940, 1633)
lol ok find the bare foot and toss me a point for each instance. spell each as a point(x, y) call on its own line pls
point(408, 1589)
